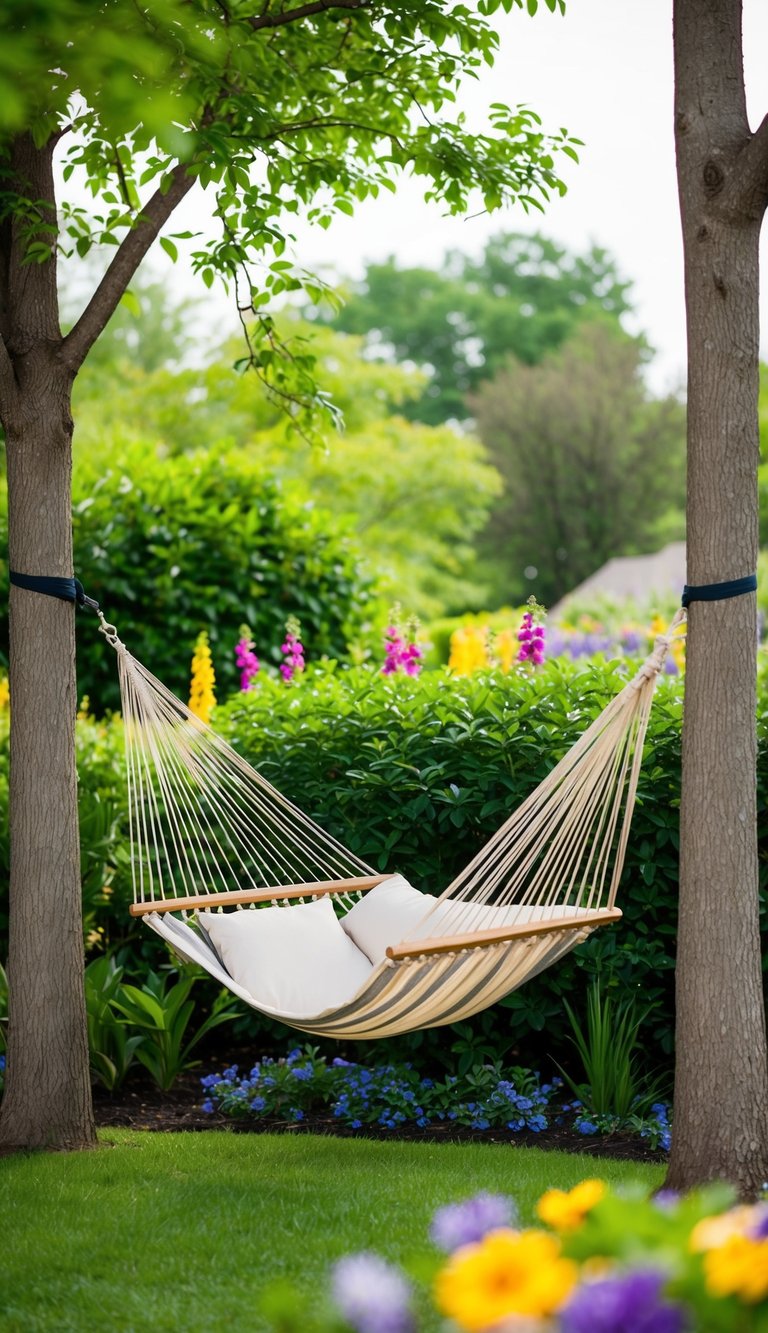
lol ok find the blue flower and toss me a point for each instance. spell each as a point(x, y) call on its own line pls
point(296, 1113)
point(208, 1106)
point(294, 1055)
point(303, 1073)
point(585, 1126)
point(258, 1104)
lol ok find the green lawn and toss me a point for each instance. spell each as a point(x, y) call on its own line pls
point(181, 1232)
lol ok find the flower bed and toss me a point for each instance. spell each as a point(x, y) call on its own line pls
point(596, 1262)
point(394, 1097)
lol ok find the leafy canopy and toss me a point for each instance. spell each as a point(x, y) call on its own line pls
point(276, 109)
point(416, 495)
point(523, 297)
point(593, 467)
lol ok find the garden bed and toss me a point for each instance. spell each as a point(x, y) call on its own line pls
point(140, 1105)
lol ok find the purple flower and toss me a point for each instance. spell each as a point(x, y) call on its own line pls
point(466, 1223)
point(531, 639)
point(628, 1304)
point(666, 1200)
point(759, 1228)
point(372, 1295)
point(246, 659)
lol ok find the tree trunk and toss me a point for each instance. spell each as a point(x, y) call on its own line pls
point(721, 1080)
point(47, 1101)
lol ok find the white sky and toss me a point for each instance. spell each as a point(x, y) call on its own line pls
point(605, 72)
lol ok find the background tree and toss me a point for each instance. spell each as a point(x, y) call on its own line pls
point(721, 1081)
point(523, 297)
point(415, 495)
point(274, 109)
point(593, 466)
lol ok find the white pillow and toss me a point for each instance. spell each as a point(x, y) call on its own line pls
point(294, 960)
point(394, 912)
point(463, 918)
point(386, 915)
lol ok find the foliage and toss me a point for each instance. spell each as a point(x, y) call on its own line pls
point(306, 110)
point(616, 1079)
point(206, 545)
point(112, 1049)
point(597, 1261)
point(394, 1096)
point(523, 297)
point(615, 465)
point(415, 495)
point(415, 776)
point(162, 1013)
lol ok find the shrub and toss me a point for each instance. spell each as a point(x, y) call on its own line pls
point(415, 776)
point(207, 543)
point(394, 1096)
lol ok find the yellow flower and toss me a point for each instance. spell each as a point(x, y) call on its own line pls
point(5, 693)
point(469, 649)
point(507, 1273)
point(202, 699)
point(711, 1232)
point(738, 1267)
point(566, 1210)
point(507, 648)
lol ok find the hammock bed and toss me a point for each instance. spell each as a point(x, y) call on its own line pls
point(317, 938)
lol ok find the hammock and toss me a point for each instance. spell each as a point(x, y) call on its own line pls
point(319, 939)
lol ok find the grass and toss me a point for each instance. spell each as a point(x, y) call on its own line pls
point(181, 1232)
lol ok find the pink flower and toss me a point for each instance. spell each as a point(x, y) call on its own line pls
point(401, 652)
point(246, 659)
point(531, 637)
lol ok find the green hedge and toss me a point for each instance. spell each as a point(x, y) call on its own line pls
point(209, 543)
point(414, 775)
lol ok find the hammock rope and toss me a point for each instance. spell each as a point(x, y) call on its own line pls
point(207, 830)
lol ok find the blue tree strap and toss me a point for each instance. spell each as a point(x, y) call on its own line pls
point(67, 590)
point(715, 592)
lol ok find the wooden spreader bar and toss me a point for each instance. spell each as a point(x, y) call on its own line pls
point(316, 889)
point(479, 938)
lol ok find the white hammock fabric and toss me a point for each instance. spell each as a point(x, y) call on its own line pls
point(208, 831)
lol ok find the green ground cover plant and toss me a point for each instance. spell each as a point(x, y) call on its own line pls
point(183, 1231)
point(394, 1096)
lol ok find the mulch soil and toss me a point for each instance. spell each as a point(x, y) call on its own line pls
point(142, 1106)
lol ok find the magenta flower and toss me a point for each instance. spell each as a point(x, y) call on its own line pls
point(246, 659)
point(466, 1223)
point(292, 650)
point(531, 636)
point(629, 1304)
point(401, 652)
point(372, 1295)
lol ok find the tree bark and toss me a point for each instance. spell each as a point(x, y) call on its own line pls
point(47, 1101)
point(721, 1078)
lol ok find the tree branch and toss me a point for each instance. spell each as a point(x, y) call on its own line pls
point(132, 250)
point(749, 181)
point(303, 12)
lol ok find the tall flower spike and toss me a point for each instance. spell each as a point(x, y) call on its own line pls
point(531, 635)
point(246, 659)
point(292, 650)
point(202, 699)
